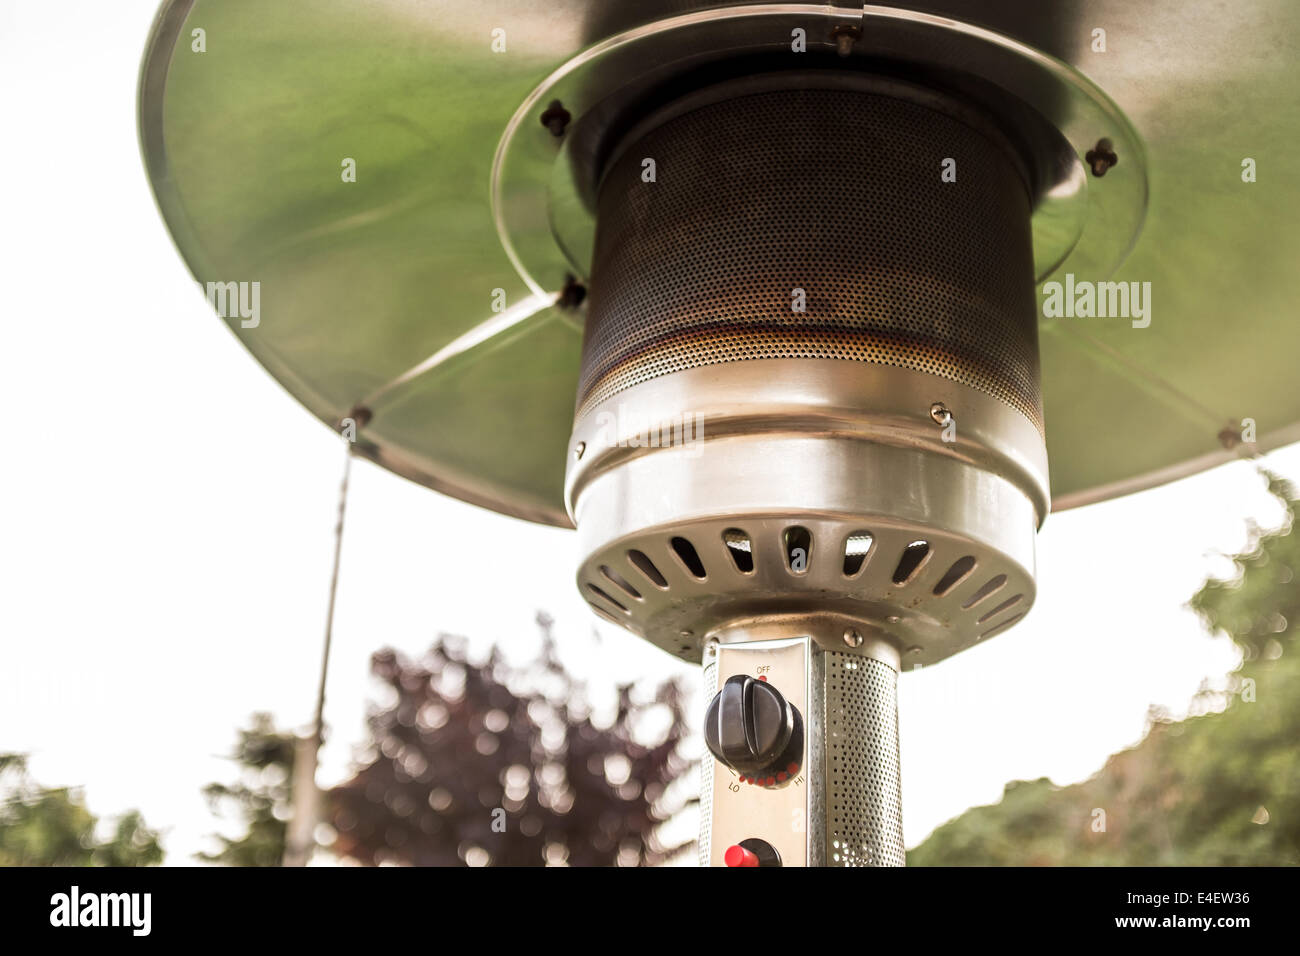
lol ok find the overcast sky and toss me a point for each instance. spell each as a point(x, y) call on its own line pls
point(166, 515)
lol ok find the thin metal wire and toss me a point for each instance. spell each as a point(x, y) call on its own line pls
point(1145, 376)
point(483, 332)
point(301, 838)
point(318, 723)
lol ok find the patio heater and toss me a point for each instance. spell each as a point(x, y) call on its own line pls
point(780, 305)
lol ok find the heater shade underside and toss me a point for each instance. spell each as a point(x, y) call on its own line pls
point(362, 281)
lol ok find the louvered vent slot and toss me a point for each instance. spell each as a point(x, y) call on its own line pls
point(620, 582)
point(955, 575)
point(798, 549)
point(856, 548)
point(741, 549)
point(599, 593)
point(647, 567)
point(689, 556)
point(989, 587)
point(913, 557)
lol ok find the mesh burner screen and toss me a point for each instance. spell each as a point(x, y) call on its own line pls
point(834, 192)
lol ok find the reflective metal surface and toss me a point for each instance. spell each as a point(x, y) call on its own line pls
point(1040, 100)
point(362, 281)
point(844, 808)
point(736, 811)
point(839, 449)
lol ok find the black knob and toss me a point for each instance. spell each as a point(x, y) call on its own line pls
point(753, 729)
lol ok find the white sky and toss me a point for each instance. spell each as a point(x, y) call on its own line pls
point(166, 515)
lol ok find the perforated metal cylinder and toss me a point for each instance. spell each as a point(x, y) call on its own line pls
point(883, 225)
point(864, 799)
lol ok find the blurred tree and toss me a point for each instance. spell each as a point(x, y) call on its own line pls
point(41, 826)
point(1219, 788)
point(476, 765)
point(506, 766)
point(260, 799)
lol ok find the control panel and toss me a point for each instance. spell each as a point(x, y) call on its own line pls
point(757, 731)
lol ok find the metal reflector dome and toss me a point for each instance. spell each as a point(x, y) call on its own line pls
point(381, 292)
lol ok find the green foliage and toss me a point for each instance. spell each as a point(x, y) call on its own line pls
point(42, 826)
point(261, 798)
point(1218, 789)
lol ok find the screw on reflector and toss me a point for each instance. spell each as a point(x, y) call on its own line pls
point(1101, 157)
point(845, 36)
point(573, 293)
point(556, 118)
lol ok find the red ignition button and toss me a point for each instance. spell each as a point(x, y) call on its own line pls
point(739, 856)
